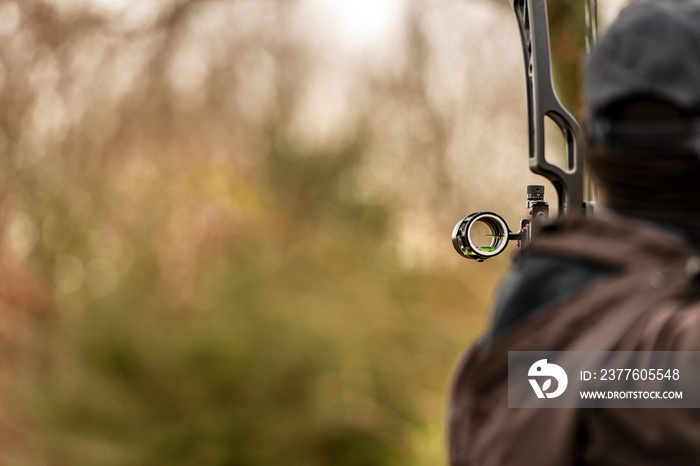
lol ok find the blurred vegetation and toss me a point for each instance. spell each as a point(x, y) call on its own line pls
point(299, 340)
point(567, 30)
point(193, 273)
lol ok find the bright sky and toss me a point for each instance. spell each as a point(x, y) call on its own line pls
point(360, 22)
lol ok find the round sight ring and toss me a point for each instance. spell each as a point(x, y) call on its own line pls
point(468, 234)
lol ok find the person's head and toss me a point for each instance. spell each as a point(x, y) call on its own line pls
point(642, 92)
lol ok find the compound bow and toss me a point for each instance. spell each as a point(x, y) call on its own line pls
point(542, 102)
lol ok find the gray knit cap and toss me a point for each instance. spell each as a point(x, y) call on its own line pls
point(651, 50)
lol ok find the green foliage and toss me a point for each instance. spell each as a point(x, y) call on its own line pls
point(225, 388)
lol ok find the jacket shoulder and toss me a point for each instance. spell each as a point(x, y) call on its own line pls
point(673, 326)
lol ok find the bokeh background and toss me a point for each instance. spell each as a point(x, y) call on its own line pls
point(225, 224)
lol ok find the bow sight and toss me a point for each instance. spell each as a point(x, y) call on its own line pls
point(483, 235)
point(468, 233)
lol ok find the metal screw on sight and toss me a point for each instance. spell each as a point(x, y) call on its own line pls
point(538, 207)
point(535, 192)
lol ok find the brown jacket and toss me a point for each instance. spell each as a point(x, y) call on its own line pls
point(651, 303)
